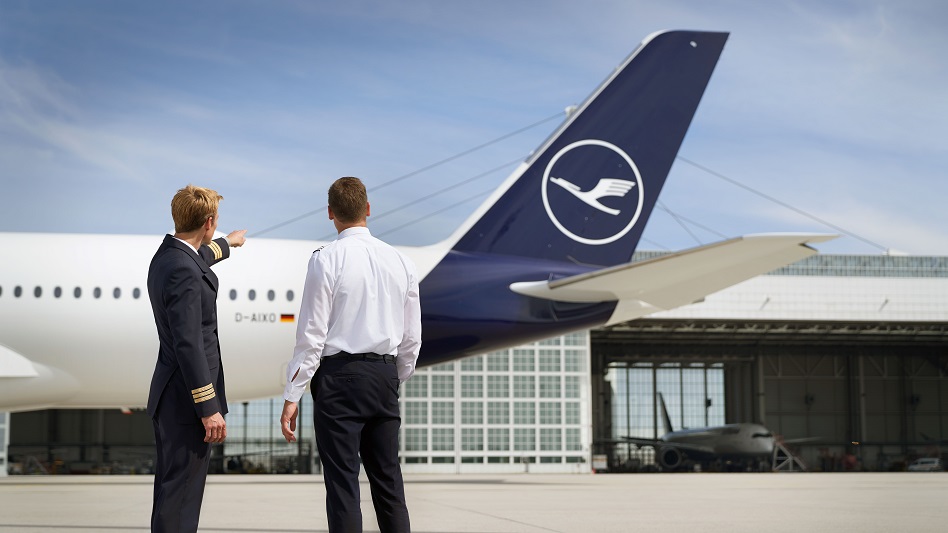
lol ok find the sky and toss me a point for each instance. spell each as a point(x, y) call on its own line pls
point(832, 116)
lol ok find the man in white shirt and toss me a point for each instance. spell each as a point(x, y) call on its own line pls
point(359, 334)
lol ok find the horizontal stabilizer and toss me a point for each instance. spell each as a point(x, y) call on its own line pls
point(679, 278)
point(14, 365)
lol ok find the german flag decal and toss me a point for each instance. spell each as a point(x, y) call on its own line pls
point(286, 318)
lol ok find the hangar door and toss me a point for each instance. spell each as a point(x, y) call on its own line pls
point(878, 392)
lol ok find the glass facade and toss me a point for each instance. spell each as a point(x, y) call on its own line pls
point(523, 408)
point(255, 444)
point(693, 395)
point(4, 442)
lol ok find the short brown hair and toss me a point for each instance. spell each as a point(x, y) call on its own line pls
point(192, 206)
point(348, 200)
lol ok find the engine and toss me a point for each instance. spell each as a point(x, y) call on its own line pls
point(670, 458)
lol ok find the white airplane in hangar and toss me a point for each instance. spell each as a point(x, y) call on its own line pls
point(547, 253)
point(743, 444)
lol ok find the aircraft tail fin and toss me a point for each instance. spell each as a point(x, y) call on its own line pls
point(586, 193)
point(666, 420)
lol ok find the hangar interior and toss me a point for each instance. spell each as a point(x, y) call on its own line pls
point(875, 392)
point(843, 357)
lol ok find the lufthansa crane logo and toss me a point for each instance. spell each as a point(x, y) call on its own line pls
point(595, 174)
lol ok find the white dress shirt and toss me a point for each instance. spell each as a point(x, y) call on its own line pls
point(360, 296)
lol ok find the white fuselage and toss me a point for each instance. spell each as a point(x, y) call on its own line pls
point(731, 440)
point(100, 351)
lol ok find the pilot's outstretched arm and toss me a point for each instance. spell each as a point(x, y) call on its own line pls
point(219, 249)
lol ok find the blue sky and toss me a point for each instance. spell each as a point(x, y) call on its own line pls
point(838, 108)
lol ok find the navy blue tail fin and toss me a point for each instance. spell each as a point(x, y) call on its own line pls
point(586, 194)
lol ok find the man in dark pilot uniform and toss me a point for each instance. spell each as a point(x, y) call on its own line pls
point(186, 401)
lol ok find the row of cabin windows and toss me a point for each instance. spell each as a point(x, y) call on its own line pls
point(252, 295)
point(136, 293)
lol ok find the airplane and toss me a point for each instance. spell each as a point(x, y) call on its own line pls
point(533, 261)
point(743, 444)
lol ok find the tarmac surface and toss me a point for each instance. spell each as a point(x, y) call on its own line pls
point(527, 503)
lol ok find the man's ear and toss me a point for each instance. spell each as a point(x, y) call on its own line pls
point(331, 215)
point(368, 209)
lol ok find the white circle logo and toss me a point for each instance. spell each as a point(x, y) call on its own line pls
point(605, 187)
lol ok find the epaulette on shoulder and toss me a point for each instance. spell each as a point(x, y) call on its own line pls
point(318, 249)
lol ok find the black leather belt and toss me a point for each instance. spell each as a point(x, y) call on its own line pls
point(373, 357)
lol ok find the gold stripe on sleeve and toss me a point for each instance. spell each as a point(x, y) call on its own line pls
point(202, 389)
point(216, 248)
point(205, 393)
point(205, 398)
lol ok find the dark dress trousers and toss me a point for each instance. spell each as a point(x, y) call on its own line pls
point(355, 398)
point(188, 382)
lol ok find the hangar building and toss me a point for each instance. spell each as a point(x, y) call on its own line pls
point(844, 355)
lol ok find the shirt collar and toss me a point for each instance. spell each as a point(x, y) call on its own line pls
point(186, 243)
point(355, 230)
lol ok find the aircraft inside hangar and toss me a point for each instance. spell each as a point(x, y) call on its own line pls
point(840, 357)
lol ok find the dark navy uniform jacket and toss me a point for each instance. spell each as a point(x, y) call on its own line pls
point(188, 378)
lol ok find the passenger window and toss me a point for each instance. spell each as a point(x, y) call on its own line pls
point(252, 295)
point(57, 292)
point(96, 292)
point(17, 291)
point(233, 294)
point(136, 292)
point(271, 295)
point(289, 296)
point(77, 292)
point(37, 291)
point(117, 293)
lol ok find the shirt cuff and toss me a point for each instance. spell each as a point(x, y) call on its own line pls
point(405, 372)
point(293, 393)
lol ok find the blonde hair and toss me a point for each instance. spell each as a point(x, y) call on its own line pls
point(348, 200)
point(192, 206)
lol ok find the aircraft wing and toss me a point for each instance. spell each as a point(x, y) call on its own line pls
point(679, 278)
point(27, 385)
point(14, 365)
point(680, 446)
